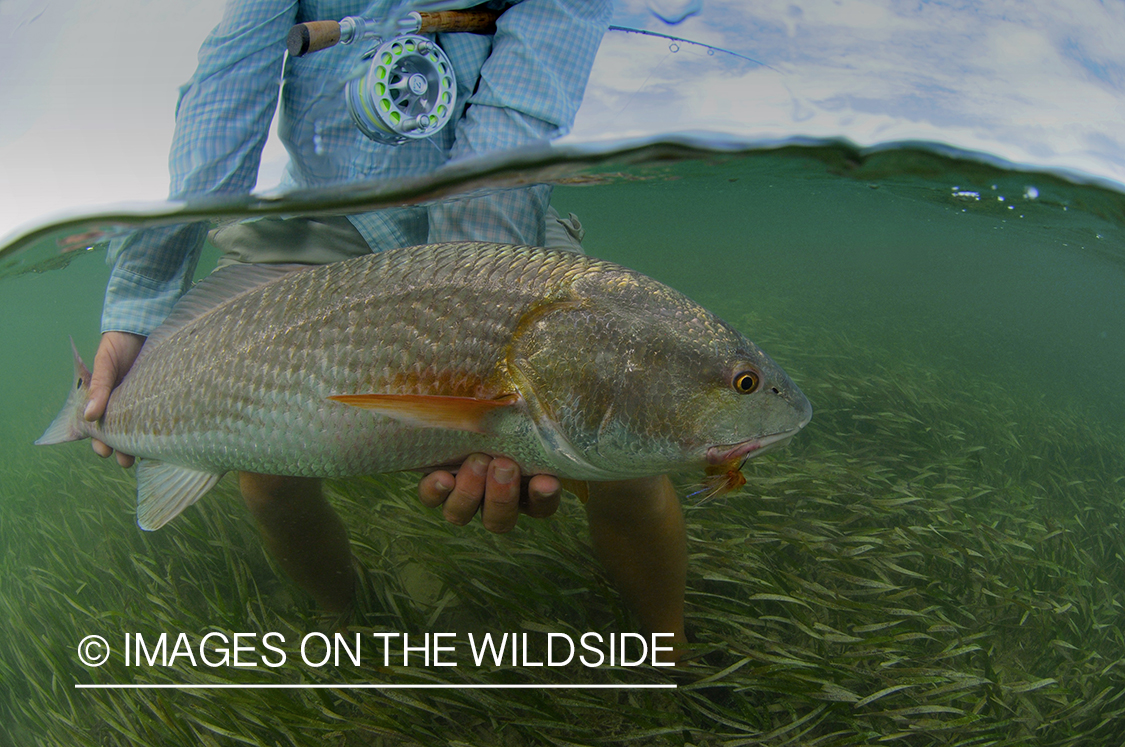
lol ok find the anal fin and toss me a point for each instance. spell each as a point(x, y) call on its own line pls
point(164, 490)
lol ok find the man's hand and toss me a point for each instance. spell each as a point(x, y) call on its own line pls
point(116, 353)
point(493, 487)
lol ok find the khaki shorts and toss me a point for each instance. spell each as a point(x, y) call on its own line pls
point(319, 241)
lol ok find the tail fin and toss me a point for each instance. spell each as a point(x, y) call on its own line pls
point(67, 426)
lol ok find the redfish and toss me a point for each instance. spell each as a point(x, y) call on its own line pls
point(417, 357)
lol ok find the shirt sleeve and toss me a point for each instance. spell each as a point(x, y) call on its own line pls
point(529, 91)
point(533, 81)
point(222, 122)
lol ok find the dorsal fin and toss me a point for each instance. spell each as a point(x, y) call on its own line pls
point(218, 287)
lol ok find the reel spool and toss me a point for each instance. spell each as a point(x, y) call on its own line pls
point(407, 93)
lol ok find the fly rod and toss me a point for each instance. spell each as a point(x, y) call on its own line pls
point(317, 35)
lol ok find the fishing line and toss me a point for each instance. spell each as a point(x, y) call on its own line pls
point(711, 49)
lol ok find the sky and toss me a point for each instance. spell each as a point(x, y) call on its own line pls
point(89, 87)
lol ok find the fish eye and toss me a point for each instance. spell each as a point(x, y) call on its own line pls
point(746, 382)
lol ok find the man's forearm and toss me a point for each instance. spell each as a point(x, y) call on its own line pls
point(151, 270)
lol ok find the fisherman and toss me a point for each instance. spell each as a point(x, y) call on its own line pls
point(521, 86)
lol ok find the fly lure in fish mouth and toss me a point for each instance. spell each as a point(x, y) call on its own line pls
point(720, 480)
point(724, 471)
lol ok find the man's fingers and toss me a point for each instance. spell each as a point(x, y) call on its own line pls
point(95, 407)
point(104, 450)
point(543, 495)
point(435, 487)
point(116, 353)
point(465, 499)
point(493, 488)
point(102, 379)
point(501, 496)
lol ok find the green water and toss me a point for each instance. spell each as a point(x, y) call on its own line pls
point(938, 558)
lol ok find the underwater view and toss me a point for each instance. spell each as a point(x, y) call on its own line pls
point(917, 211)
point(937, 558)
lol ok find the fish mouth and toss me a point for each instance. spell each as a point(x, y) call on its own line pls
point(729, 453)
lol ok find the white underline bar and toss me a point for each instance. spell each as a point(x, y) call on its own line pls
point(364, 686)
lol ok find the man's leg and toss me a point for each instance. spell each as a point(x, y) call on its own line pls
point(304, 535)
point(637, 527)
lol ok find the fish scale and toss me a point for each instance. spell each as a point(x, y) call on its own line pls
point(420, 356)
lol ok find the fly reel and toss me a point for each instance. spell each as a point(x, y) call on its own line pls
point(408, 91)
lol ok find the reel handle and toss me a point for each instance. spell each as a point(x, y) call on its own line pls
point(316, 35)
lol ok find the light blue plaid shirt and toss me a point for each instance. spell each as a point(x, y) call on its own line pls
point(523, 85)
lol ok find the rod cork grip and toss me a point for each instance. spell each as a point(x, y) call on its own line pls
point(459, 21)
point(311, 37)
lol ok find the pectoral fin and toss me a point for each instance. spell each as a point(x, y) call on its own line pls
point(431, 411)
point(164, 490)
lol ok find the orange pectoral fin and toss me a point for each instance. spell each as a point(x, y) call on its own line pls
point(431, 411)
